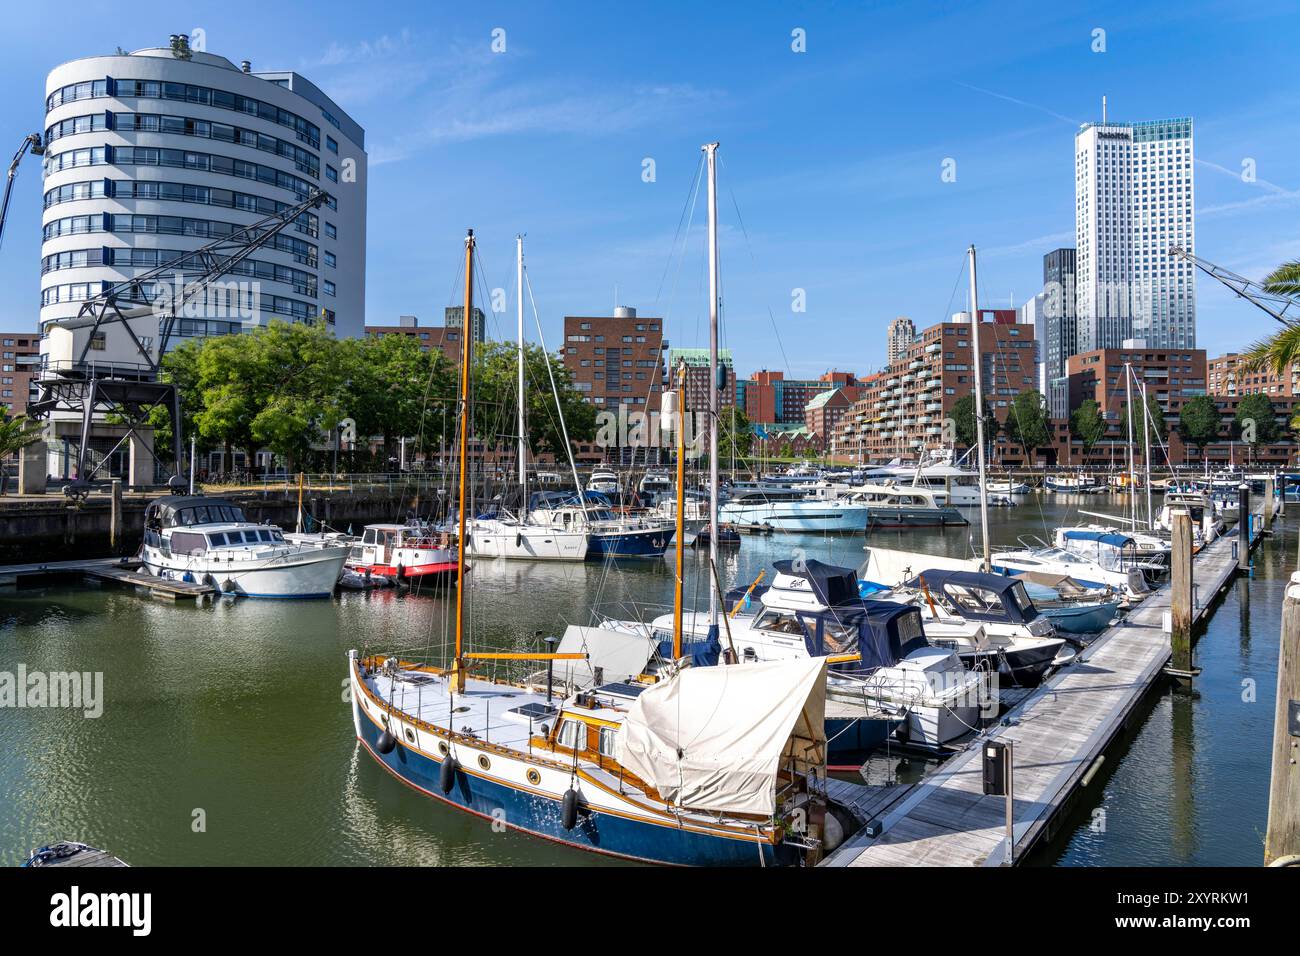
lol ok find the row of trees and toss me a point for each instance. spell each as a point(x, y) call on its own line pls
point(287, 386)
point(1028, 425)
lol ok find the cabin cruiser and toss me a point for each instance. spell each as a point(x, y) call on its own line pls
point(1206, 521)
point(1008, 487)
point(1018, 641)
point(795, 511)
point(403, 552)
point(655, 486)
point(1119, 550)
point(202, 539)
point(907, 506)
point(695, 512)
point(879, 652)
point(604, 481)
point(610, 534)
point(1071, 607)
point(1073, 484)
point(1129, 581)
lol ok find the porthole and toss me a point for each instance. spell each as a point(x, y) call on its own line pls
point(484, 763)
point(410, 735)
point(442, 747)
point(534, 778)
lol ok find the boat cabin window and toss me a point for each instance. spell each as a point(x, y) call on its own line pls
point(606, 745)
point(370, 537)
point(969, 598)
point(840, 638)
point(780, 622)
point(186, 542)
point(573, 734)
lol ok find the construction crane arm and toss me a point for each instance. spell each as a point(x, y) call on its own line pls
point(32, 141)
point(1284, 308)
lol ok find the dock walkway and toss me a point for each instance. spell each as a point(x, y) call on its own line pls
point(113, 570)
point(1059, 732)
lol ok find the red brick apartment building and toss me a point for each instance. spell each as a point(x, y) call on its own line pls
point(697, 376)
point(446, 340)
point(1173, 377)
point(19, 358)
point(616, 359)
point(770, 398)
point(902, 408)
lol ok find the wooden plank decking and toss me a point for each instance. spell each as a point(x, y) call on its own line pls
point(1058, 732)
point(102, 569)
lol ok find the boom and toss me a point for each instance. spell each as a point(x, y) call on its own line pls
point(1284, 308)
point(32, 141)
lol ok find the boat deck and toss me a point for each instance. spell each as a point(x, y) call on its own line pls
point(1058, 730)
point(499, 714)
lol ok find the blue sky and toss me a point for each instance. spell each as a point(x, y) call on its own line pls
point(831, 157)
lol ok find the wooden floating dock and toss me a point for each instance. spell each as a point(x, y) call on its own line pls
point(1059, 732)
point(113, 570)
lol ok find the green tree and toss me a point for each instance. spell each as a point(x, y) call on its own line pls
point(1256, 421)
point(735, 435)
point(1154, 421)
point(1198, 422)
point(1088, 424)
point(494, 378)
point(1027, 421)
point(962, 416)
point(1280, 350)
point(393, 388)
point(15, 435)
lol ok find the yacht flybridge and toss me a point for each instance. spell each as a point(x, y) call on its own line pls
point(197, 538)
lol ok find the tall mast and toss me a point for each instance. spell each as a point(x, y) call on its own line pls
point(1146, 451)
point(676, 414)
point(1132, 477)
point(979, 405)
point(523, 439)
point(711, 151)
point(458, 666)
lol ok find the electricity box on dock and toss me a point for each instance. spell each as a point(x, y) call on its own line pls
point(997, 759)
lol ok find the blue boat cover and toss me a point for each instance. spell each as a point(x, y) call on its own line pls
point(1105, 537)
point(834, 586)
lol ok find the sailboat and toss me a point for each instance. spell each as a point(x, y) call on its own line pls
point(521, 535)
point(708, 766)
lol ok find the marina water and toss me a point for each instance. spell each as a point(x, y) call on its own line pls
point(225, 738)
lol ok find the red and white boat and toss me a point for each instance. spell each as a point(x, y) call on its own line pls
point(404, 551)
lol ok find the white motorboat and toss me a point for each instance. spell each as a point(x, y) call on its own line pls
point(404, 552)
point(1073, 484)
point(1008, 487)
point(795, 511)
point(202, 539)
point(903, 506)
point(604, 481)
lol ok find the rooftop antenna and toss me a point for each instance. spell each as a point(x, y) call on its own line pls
point(1103, 109)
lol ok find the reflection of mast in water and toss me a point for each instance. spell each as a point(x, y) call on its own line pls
point(1182, 812)
point(1243, 611)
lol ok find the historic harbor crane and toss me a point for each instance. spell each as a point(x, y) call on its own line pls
point(125, 380)
point(1284, 308)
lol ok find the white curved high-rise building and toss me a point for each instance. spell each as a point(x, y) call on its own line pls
point(160, 151)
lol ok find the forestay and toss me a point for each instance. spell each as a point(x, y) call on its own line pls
point(715, 738)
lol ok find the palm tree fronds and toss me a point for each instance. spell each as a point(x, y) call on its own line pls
point(1275, 352)
point(1284, 280)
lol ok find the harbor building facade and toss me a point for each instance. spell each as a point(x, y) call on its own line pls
point(903, 409)
point(697, 376)
point(443, 339)
point(616, 359)
point(769, 398)
point(1226, 378)
point(19, 358)
point(1134, 200)
point(155, 153)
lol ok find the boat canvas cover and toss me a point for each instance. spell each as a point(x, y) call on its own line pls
point(1103, 537)
point(832, 585)
point(715, 738)
point(616, 654)
point(892, 567)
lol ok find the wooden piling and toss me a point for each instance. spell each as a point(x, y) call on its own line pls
point(1243, 527)
point(1181, 612)
point(1283, 837)
point(115, 517)
point(1269, 503)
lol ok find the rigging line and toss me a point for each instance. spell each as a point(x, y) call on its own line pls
point(740, 220)
point(691, 195)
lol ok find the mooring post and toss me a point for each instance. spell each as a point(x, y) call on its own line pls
point(1181, 611)
point(1243, 527)
point(1269, 503)
point(1282, 839)
point(115, 517)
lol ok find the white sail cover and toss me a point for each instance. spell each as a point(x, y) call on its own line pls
point(714, 738)
point(611, 655)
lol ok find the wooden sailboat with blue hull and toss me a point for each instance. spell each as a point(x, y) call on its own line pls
point(645, 771)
